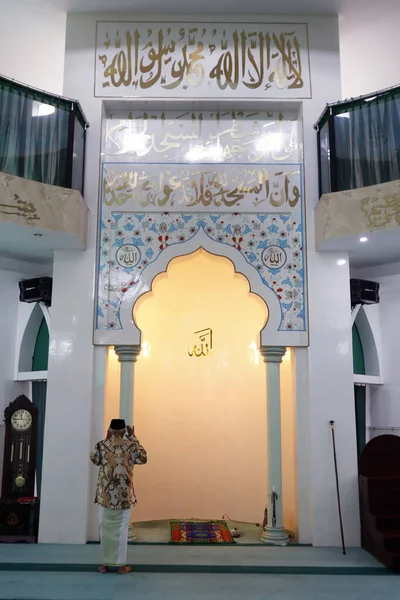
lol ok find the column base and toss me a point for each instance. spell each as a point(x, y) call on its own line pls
point(131, 534)
point(276, 536)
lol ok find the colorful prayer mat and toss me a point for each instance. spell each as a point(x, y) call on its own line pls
point(199, 532)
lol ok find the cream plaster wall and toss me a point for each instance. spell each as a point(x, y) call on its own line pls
point(32, 43)
point(324, 391)
point(9, 389)
point(369, 51)
point(369, 47)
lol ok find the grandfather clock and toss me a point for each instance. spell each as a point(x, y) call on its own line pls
point(19, 509)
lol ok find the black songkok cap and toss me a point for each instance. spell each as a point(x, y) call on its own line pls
point(117, 424)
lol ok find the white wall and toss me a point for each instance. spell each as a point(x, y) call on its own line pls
point(75, 386)
point(71, 384)
point(369, 47)
point(32, 50)
point(9, 389)
point(329, 388)
point(32, 43)
point(384, 400)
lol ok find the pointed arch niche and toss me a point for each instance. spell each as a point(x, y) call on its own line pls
point(203, 419)
point(270, 334)
point(367, 341)
point(32, 344)
point(367, 365)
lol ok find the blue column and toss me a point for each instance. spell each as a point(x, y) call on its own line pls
point(274, 532)
point(127, 356)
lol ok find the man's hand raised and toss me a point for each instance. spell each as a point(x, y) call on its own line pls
point(130, 430)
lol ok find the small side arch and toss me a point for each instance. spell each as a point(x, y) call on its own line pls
point(367, 323)
point(31, 317)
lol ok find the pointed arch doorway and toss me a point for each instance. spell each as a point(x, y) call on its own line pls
point(203, 419)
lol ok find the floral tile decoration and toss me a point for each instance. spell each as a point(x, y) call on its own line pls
point(234, 176)
point(271, 243)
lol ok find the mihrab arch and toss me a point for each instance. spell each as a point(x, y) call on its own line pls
point(160, 265)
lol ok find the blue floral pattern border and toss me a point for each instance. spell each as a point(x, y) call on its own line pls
point(249, 234)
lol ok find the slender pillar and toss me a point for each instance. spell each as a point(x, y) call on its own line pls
point(274, 532)
point(127, 356)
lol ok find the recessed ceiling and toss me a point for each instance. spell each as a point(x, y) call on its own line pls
point(379, 247)
point(156, 8)
point(220, 7)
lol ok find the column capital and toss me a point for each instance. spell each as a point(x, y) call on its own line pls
point(127, 353)
point(272, 353)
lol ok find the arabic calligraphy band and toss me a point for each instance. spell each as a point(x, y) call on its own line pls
point(143, 58)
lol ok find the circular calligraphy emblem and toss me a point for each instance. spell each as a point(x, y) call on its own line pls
point(274, 257)
point(128, 256)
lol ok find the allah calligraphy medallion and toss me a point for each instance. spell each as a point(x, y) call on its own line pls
point(128, 256)
point(274, 257)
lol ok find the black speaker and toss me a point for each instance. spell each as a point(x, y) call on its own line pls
point(364, 292)
point(36, 290)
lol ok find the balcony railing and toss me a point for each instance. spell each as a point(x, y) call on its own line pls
point(42, 136)
point(359, 142)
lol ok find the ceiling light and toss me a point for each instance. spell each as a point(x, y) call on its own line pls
point(41, 110)
point(341, 262)
point(363, 239)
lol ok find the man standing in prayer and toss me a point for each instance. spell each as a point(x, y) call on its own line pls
point(116, 457)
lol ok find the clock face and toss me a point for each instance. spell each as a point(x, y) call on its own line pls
point(21, 420)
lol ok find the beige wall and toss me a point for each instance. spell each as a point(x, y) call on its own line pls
point(369, 54)
point(203, 420)
point(32, 43)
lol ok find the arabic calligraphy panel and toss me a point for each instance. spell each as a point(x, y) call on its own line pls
point(230, 136)
point(234, 176)
point(201, 187)
point(198, 60)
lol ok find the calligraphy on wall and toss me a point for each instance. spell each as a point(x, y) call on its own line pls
point(213, 60)
point(200, 187)
point(230, 136)
point(203, 345)
point(170, 177)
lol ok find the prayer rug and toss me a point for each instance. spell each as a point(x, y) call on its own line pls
point(200, 532)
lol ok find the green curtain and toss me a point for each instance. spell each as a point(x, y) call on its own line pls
point(367, 142)
point(359, 391)
point(33, 134)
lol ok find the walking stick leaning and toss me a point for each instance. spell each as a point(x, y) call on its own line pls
point(332, 423)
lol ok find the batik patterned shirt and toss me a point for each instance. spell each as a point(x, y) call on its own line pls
point(116, 457)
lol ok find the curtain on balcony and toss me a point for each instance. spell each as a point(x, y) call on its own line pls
point(33, 135)
point(367, 143)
